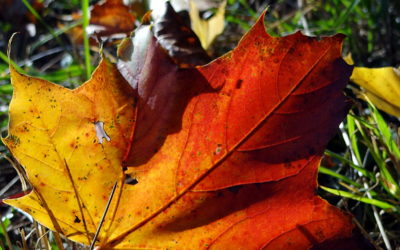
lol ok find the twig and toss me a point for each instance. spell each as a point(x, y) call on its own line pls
point(103, 217)
point(354, 159)
point(36, 226)
point(22, 233)
point(43, 237)
point(30, 233)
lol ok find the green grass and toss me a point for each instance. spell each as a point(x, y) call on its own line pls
point(85, 23)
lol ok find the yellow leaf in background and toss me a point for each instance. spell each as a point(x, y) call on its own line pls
point(383, 104)
point(381, 86)
point(71, 143)
point(207, 30)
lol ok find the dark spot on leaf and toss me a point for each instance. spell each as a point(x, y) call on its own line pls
point(239, 84)
point(14, 140)
point(77, 220)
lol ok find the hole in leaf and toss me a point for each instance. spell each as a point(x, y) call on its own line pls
point(130, 181)
point(99, 126)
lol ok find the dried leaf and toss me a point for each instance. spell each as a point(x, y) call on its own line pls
point(110, 18)
point(179, 40)
point(113, 17)
point(224, 155)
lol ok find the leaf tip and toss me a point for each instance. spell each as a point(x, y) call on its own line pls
point(261, 19)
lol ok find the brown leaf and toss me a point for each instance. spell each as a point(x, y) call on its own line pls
point(107, 19)
point(179, 40)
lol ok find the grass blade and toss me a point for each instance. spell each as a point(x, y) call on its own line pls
point(85, 24)
point(327, 171)
point(378, 203)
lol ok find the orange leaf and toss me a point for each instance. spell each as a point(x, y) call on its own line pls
point(225, 155)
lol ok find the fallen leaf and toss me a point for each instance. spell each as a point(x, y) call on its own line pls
point(224, 156)
point(207, 30)
point(110, 18)
point(113, 17)
point(381, 86)
point(178, 39)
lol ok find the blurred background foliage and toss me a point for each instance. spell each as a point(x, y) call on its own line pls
point(361, 169)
